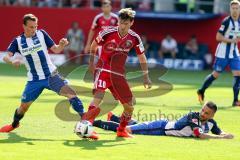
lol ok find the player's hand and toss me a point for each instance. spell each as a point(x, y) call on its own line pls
point(147, 83)
point(16, 63)
point(228, 136)
point(63, 42)
point(235, 40)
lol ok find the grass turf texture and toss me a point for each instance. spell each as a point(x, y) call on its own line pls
point(44, 136)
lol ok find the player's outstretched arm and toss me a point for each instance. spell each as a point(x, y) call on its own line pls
point(221, 136)
point(59, 48)
point(143, 62)
point(89, 40)
point(16, 62)
point(93, 50)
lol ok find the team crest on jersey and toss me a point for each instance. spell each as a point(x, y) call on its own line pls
point(129, 44)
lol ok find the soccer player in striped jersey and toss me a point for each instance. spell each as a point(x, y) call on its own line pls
point(194, 124)
point(227, 52)
point(42, 74)
point(100, 22)
point(109, 72)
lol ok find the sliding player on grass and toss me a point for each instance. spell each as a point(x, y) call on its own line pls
point(194, 124)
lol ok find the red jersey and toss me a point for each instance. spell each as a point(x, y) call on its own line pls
point(101, 23)
point(115, 49)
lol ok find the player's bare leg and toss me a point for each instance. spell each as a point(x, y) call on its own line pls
point(18, 115)
point(207, 82)
point(236, 83)
point(76, 103)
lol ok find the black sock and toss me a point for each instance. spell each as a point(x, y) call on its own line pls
point(236, 82)
point(207, 82)
point(115, 118)
point(132, 122)
point(106, 125)
point(17, 117)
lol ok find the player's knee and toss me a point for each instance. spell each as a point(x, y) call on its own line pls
point(132, 102)
point(98, 94)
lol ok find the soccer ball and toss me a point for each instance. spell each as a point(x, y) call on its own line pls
point(84, 129)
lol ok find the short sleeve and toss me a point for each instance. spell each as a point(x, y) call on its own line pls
point(101, 37)
point(48, 40)
point(224, 26)
point(215, 129)
point(13, 47)
point(95, 23)
point(139, 47)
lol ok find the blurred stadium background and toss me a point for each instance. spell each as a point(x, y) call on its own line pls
point(155, 19)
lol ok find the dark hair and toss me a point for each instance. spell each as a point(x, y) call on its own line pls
point(106, 2)
point(127, 14)
point(211, 105)
point(29, 17)
point(234, 2)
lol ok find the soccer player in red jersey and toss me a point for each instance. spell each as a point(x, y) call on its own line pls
point(109, 71)
point(100, 22)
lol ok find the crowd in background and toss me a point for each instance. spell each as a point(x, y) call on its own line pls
point(168, 47)
point(199, 6)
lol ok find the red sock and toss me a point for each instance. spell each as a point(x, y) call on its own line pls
point(91, 114)
point(90, 107)
point(124, 119)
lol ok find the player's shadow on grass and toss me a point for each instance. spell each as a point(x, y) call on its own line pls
point(188, 138)
point(94, 145)
point(14, 138)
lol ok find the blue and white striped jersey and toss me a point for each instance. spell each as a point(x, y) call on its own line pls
point(35, 53)
point(229, 29)
point(190, 125)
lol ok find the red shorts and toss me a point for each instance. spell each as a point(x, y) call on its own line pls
point(117, 85)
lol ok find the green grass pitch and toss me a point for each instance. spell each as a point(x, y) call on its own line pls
point(43, 136)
